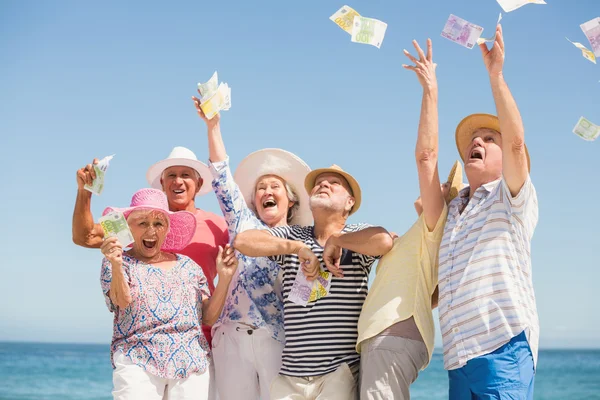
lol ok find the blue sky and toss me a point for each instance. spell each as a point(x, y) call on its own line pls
point(88, 79)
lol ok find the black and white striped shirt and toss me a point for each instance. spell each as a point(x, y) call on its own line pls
point(322, 335)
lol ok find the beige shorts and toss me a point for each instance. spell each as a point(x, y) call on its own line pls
point(341, 384)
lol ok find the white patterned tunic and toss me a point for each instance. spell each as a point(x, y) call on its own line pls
point(252, 297)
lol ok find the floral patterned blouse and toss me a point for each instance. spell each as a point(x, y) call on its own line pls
point(160, 330)
point(254, 297)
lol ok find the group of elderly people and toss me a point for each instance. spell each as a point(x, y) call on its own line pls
point(177, 336)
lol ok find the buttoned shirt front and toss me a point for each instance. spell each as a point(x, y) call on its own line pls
point(486, 294)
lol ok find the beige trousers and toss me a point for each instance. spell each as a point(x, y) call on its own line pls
point(388, 366)
point(341, 384)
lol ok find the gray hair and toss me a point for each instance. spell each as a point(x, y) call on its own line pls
point(292, 197)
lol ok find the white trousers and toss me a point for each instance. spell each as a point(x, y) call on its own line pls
point(132, 382)
point(246, 361)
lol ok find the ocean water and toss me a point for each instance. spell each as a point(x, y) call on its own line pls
point(42, 371)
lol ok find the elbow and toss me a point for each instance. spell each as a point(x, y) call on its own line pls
point(384, 243)
point(426, 157)
point(518, 144)
point(87, 241)
point(242, 242)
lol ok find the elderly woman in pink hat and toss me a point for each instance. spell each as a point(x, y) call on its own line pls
point(159, 299)
point(266, 191)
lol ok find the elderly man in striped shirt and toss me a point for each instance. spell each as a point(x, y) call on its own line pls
point(319, 359)
point(487, 309)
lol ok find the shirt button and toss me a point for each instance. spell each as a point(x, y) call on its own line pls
point(455, 330)
point(447, 280)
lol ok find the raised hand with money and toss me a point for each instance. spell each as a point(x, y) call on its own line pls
point(424, 66)
point(494, 58)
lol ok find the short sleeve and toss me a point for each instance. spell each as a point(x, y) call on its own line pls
point(282, 232)
point(432, 241)
point(524, 206)
point(202, 282)
point(106, 279)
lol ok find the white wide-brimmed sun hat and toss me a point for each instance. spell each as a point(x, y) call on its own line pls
point(283, 164)
point(180, 156)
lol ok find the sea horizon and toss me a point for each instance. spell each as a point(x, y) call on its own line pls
point(435, 349)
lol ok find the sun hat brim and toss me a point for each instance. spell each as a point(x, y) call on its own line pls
point(470, 124)
point(455, 179)
point(288, 166)
point(155, 171)
point(309, 184)
point(182, 225)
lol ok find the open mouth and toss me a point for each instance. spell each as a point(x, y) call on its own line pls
point(476, 154)
point(269, 203)
point(178, 191)
point(149, 243)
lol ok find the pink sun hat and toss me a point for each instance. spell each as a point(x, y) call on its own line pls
point(182, 224)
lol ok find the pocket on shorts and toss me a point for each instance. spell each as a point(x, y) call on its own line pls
point(217, 338)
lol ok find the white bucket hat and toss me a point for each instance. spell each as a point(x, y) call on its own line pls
point(283, 164)
point(180, 156)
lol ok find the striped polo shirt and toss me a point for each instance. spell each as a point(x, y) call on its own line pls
point(322, 335)
point(486, 292)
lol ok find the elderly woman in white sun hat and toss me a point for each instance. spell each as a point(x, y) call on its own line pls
point(159, 299)
point(267, 191)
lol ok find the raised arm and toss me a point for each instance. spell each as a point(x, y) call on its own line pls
point(212, 307)
point(514, 158)
point(216, 147)
point(426, 151)
point(119, 291)
point(85, 232)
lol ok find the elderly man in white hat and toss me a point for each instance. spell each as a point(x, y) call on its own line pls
point(319, 359)
point(182, 177)
point(487, 307)
point(265, 192)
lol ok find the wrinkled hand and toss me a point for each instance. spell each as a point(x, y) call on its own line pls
point(309, 262)
point(332, 254)
point(209, 122)
point(494, 58)
point(86, 175)
point(112, 250)
point(424, 67)
point(226, 262)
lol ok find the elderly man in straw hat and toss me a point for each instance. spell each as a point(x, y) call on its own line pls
point(181, 177)
point(319, 359)
point(487, 307)
point(395, 329)
point(266, 191)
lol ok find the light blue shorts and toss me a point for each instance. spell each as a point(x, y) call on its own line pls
point(506, 373)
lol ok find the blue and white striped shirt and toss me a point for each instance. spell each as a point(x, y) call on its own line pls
point(486, 292)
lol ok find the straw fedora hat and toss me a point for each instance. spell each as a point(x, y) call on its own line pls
point(470, 124)
point(288, 166)
point(455, 180)
point(309, 183)
point(180, 156)
point(182, 224)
